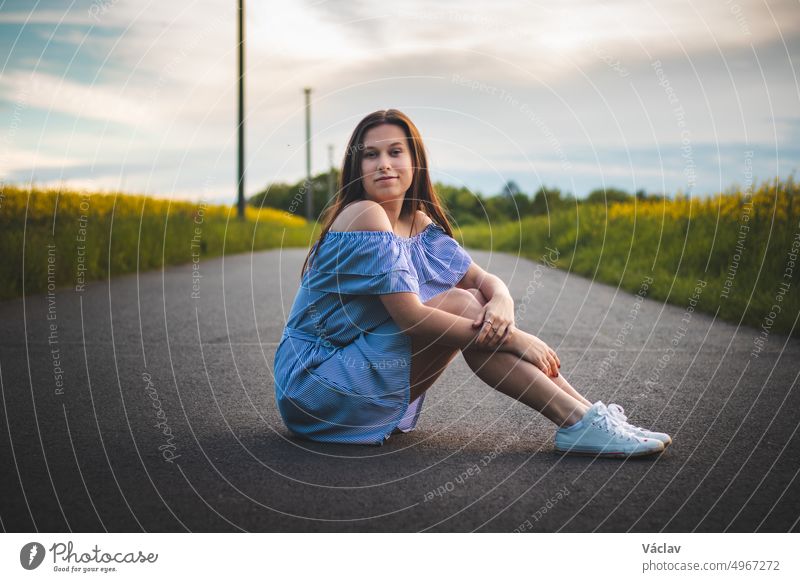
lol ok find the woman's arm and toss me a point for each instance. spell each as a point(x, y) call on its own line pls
point(490, 285)
point(496, 321)
point(419, 320)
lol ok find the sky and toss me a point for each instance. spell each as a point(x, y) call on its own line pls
point(140, 96)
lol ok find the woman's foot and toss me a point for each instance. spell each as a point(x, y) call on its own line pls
point(619, 413)
point(599, 433)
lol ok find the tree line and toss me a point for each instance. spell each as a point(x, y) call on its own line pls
point(465, 206)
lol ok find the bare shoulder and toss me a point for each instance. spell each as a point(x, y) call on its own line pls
point(423, 220)
point(362, 215)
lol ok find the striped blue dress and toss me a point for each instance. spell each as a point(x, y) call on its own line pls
point(342, 367)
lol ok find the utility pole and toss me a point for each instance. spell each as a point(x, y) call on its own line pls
point(240, 60)
point(309, 189)
point(331, 183)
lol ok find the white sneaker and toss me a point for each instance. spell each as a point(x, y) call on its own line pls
point(601, 434)
point(619, 413)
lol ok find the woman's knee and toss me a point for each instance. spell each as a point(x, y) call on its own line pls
point(463, 302)
point(478, 295)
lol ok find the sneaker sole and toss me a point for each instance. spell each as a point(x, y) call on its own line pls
point(609, 454)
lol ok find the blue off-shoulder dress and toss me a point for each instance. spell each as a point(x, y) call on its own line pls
point(342, 367)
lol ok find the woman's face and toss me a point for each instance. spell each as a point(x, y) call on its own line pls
point(386, 166)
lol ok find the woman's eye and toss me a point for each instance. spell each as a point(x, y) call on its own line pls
point(397, 152)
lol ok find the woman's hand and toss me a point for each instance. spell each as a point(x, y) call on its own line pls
point(496, 322)
point(531, 349)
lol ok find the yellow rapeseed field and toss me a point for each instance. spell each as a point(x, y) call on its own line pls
point(115, 233)
point(743, 245)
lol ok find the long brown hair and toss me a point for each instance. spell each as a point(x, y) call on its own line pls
point(420, 196)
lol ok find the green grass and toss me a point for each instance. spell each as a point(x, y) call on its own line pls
point(41, 230)
point(677, 242)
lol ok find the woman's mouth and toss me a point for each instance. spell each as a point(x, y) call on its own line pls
point(386, 178)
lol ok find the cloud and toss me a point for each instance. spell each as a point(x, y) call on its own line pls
point(59, 94)
point(150, 89)
point(17, 162)
point(46, 16)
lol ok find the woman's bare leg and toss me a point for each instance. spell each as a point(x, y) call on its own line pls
point(525, 382)
point(559, 380)
point(429, 360)
point(562, 383)
point(510, 374)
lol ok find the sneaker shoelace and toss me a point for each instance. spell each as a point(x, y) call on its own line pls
point(608, 421)
point(619, 413)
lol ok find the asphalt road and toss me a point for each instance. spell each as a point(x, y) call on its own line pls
point(86, 405)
